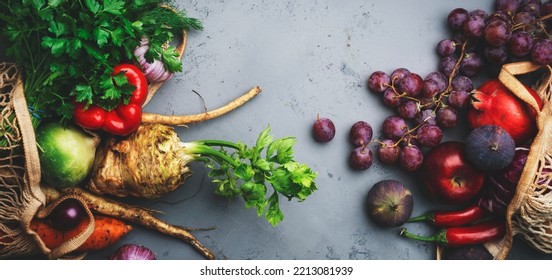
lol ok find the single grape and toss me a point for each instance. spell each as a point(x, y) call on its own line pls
point(508, 6)
point(411, 158)
point(360, 133)
point(425, 116)
point(520, 43)
point(497, 33)
point(446, 65)
point(462, 83)
point(496, 55)
point(388, 152)
point(446, 47)
point(408, 109)
point(323, 130)
point(458, 99)
point(394, 127)
point(398, 74)
point(474, 26)
point(378, 82)
point(430, 89)
point(361, 158)
point(456, 18)
point(546, 8)
point(390, 98)
point(429, 135)
point(532, 7)
point(411, 84)
point(523, 18)
point(439, 78)
point(447, 117)
point(541, 53)
point(479, 13)
point(498, 15)
point(471, 64)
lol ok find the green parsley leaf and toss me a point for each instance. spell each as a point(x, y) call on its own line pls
point(114, 7)
point(84, 93)
point(93, 6)
point(54, 3)
point(101, 35)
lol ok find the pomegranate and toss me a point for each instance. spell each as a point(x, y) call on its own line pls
point(492, 103)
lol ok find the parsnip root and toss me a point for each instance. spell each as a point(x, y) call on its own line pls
point(129, 213)
point(187, 119)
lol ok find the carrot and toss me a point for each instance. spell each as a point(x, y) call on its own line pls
point(141, 216)
point(107, 232)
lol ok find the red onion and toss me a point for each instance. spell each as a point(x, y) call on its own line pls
point(504, 183)
point(133, 252)
point(155, 71)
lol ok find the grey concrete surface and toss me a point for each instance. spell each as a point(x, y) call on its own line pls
point(310, 57)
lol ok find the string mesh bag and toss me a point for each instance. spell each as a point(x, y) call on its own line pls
point(529, 214)
point(21, 197)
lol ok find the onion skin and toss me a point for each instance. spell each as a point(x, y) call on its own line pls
point(133, 252)
point(155, 71)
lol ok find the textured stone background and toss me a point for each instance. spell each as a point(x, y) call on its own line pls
point(310, 57)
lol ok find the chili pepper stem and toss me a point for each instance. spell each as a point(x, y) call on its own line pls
point(422, 218)
point(187, 119)
point(438, 238)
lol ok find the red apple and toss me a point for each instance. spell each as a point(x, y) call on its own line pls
point(447, 175)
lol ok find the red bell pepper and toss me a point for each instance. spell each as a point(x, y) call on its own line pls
point(125, 118)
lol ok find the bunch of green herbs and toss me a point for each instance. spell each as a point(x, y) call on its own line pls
point(68, 48)
point(239, 170)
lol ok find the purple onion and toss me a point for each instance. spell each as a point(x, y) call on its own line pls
point(133, 252)
point(503, 184)
point(155, 71)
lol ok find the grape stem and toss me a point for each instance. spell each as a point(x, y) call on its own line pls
point(447, 91)
point(521, 25)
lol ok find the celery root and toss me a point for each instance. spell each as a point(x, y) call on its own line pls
point(152, 162)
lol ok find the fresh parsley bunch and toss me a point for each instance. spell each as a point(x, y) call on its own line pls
point(68, 48)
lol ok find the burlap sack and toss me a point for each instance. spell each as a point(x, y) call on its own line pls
point(529, 214)
point(21, 197)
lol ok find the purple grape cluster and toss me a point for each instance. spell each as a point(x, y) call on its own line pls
point(424, 107)
point(517, 30)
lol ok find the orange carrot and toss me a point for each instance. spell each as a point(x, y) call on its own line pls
point(107, 232)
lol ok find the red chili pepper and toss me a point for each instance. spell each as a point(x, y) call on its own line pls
point(452, 218)
point(467, 235)
point(125, 118)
